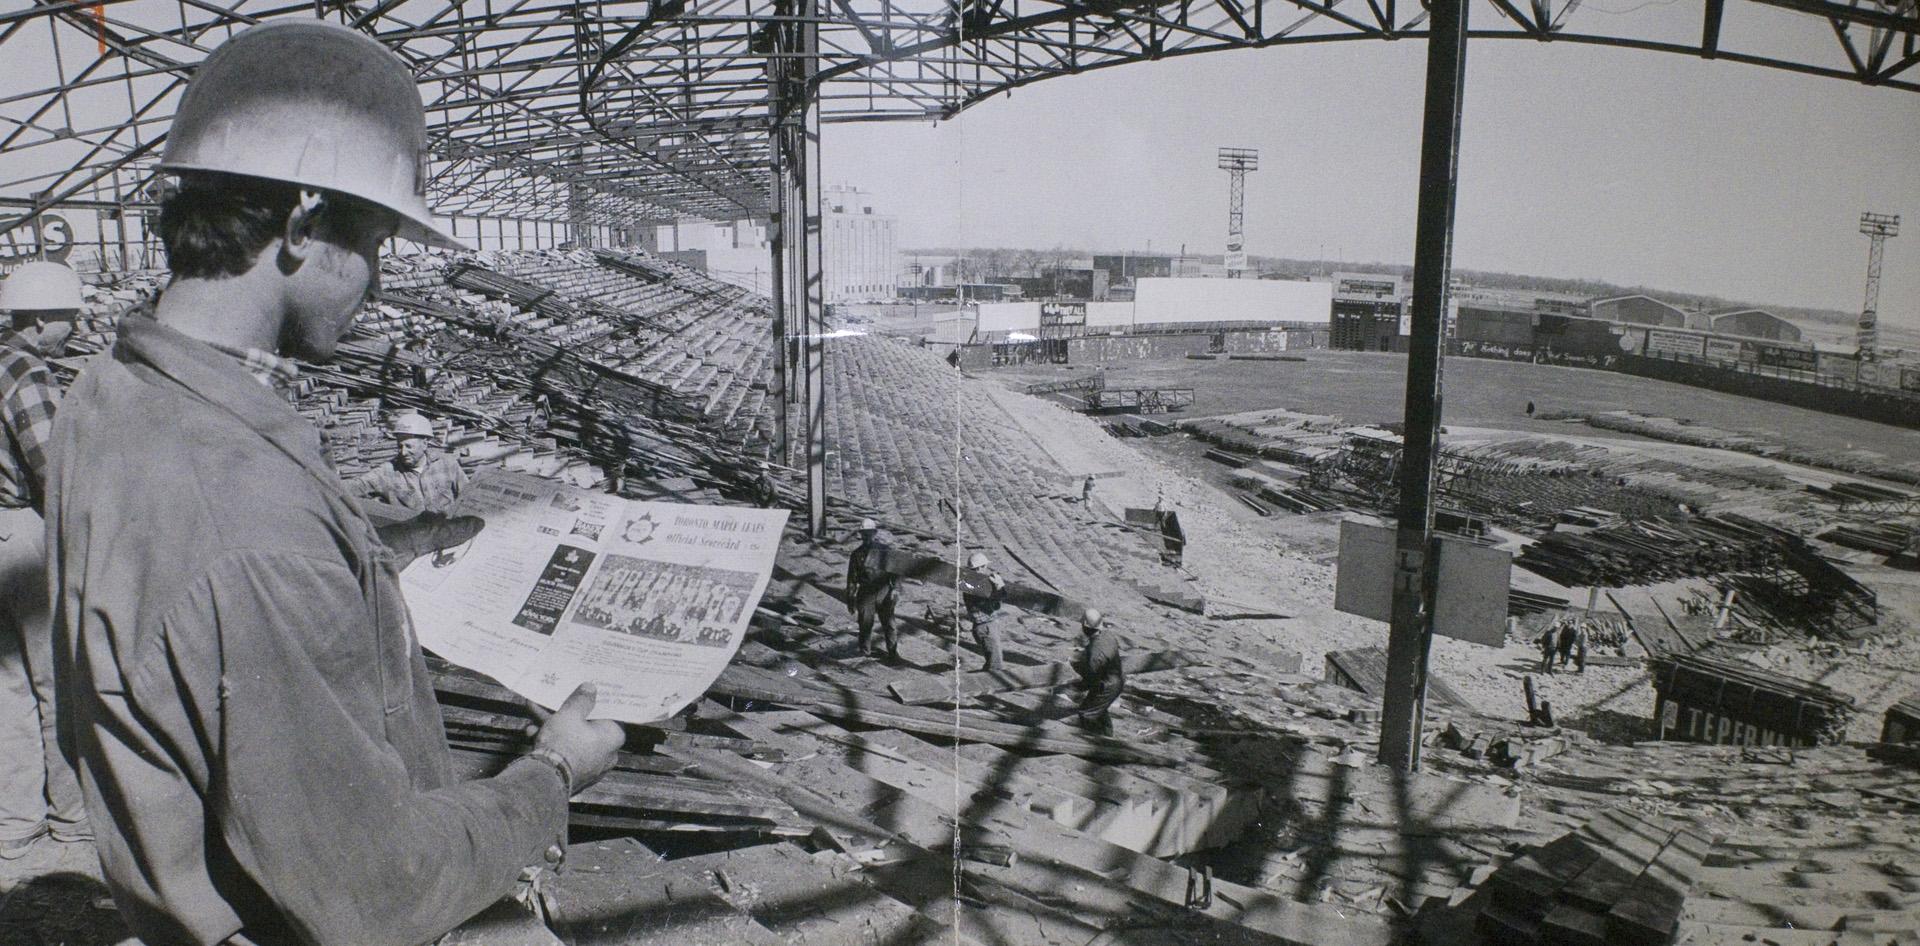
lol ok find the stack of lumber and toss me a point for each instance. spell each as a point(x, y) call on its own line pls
point(1621, 879)
point(1643, 552)
point(1884, 538)
point(1794, 709)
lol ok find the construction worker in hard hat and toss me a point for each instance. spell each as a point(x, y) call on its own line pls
point(872, 590)
point(421, 476)
point(980, 596)
point(260, 749)
point(1101, 672)
point(766, 492)
point(39, 794)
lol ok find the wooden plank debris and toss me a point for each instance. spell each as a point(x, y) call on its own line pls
point(1620, 878)
point(877, 710)
point(923, 689)
point(1365, 669)
point(1045, 847)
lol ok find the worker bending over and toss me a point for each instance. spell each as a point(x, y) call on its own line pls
point(1101, 673)
point(872, 591)
point(982, 603)
point(39, 796)
point(262, 757)
point(421, 476)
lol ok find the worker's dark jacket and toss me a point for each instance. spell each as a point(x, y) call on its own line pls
point(867, 582)
point(257, 738)
point(1101, 670)
point(983, 608)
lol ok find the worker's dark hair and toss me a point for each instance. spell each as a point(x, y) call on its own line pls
point(215, 225)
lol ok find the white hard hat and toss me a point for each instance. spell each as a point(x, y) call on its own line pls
point(868, 525)
point(40, 287)
point(1091, 618)
point(312, 103)
point(977, 561)
point(410, 424)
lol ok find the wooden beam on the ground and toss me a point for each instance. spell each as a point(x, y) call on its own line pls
point(926, 688)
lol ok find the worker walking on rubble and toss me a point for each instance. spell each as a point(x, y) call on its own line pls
point(981, 600)
point(259, 747)
point(872, 591)
point(421, 477)
point(1102, 673)
point(1086, 490)
point(39, 794)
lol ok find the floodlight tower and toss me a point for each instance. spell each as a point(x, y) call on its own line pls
point(1877, 227)
point(1237, 162)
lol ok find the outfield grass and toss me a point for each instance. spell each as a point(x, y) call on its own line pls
point(1370, 387)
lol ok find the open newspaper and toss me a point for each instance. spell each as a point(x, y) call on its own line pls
point(649, 600)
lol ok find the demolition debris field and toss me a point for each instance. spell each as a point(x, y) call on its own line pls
point(1369, 387)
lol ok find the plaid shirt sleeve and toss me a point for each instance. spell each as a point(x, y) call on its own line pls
point(29, 404)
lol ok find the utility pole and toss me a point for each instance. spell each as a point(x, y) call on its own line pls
point(1411, 631)
point(1237, 162)
point(1877, 227)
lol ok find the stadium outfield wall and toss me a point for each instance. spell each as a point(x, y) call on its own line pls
point(1165, 302)
point(1232, 300)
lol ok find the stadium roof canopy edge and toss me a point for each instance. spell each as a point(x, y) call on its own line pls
point(655, 109)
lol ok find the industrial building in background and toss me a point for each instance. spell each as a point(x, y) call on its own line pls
point(862, 250)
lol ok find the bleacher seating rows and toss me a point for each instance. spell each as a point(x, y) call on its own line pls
point(908, 435)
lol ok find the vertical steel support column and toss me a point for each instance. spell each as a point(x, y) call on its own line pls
point(1413, 571)
point(777, 227)
point(815, 321)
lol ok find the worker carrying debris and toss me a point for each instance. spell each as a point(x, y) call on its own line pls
point(982, 604)
point(421, 476)
point(39, 795)
point(872, 591)
point(1101, 673)
point(259, 746)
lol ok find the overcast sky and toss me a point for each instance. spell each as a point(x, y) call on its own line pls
point(1633, 167)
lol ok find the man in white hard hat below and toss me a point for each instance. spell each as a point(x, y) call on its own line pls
point(982, 602)
point(39, 796)
point(872, 591)
point(421, 477)
point(1101, 672)
point(258, 742)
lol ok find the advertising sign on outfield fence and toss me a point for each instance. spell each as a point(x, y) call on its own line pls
point(1674, 343)
point(1723, 349)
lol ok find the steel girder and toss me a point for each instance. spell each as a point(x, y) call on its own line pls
point(662, 108)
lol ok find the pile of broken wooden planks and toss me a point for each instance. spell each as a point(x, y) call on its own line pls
point(1621, 879)
point(645, 791)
